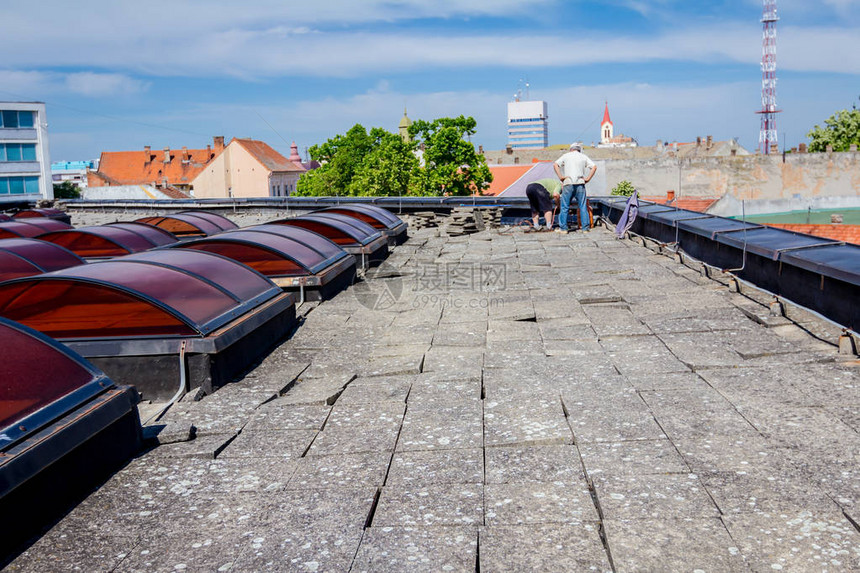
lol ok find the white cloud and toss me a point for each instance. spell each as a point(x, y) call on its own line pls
point(103, 85)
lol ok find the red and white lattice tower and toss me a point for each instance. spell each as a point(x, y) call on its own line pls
point(767, 137)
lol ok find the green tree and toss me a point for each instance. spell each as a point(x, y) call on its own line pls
point(624, 188)
point(360, 163)
point(841, 130)
point(66, 190)
point(387, 168)
point(451, 165)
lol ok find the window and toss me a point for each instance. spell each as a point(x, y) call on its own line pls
point(13, 119)
point(19, 185)
point(17, 152)
point(25, 119)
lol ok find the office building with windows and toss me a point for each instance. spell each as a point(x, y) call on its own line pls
point(25, 163)
point(527, 125)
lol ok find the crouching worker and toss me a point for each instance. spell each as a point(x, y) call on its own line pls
point(542, 193)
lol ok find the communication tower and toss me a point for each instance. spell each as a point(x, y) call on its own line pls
point(767, 136)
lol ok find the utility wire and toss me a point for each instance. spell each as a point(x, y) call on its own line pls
point(111, 117)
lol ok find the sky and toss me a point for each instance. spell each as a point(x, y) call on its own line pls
point(119, 75)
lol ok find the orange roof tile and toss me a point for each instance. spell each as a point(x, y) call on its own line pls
point(271, 159)
point(504, 176)
point(142, 167)
point(700, 204)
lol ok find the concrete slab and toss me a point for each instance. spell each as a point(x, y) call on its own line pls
point(445, 504)
point(444, 428)
point(282, 415)
point(521, 504)
point(397, 549)
point(796, 541)
point(340, 470)
point(672, 545)
point(638, 457)
point(519, 422)
point(533, 464)
point(420, 468)
point(545, 548)
point(655, 497)
point(282, 444)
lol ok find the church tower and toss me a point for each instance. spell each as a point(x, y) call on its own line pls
point(606, 127)
point(404, 127)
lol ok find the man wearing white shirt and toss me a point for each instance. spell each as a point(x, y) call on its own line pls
point(574, 169)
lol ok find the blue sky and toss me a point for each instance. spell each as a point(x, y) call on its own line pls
point(118, 75)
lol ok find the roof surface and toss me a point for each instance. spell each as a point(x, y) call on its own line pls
point(140, 167)
point(581, 398)
point(504, 176)
point(271, 159)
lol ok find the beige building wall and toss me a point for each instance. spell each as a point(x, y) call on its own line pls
point(234, 173)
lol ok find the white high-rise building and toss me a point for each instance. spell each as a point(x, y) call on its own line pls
point(25, 164)
point(527, 125)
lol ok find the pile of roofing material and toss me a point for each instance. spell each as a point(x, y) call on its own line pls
point(492, 217)
point(294, 258)
point(366, 244)
point(28, 257)
point(424, 220)
point(113, 240)
point(377, 217)
point(146, 319)
point(191, 223)
point(462, 221)
point(30, 228)
point(64, 427)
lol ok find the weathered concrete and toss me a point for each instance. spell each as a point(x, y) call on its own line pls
point(605, 410)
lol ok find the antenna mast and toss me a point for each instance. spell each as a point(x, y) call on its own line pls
point(768, 135)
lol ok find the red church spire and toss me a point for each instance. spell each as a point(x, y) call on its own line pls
point(606, 115)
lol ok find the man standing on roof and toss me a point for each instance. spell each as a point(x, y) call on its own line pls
point(541, 194)
point(574, 169)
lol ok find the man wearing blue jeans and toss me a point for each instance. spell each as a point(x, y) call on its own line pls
point(575, 169)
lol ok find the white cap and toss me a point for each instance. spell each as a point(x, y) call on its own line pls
point(576, 145)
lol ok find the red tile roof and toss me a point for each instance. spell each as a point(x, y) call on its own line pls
point(142, 167)
point(838, 232)
point(271, 159)
point(700, 204)
point(606, 115)
point(504, 176)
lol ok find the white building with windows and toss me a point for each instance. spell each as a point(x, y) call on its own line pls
point(527, 125)
point(25, 163)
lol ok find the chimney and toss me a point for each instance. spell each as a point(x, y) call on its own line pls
point(218, 142)
point(710, 141)
point(185, 157)
point(802, 148)
point(147, 154)
point(698, 142)
point(670, 196)
point(208, 152)
point(167, 155)
point(481, 149)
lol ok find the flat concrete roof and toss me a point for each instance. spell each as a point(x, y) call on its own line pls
point(501, 401)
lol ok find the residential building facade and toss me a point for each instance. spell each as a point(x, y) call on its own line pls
point(74, 171)
point(248, 168)
point(25, 162)
point(527, 125)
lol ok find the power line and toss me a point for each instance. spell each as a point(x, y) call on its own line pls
point(111, 117)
